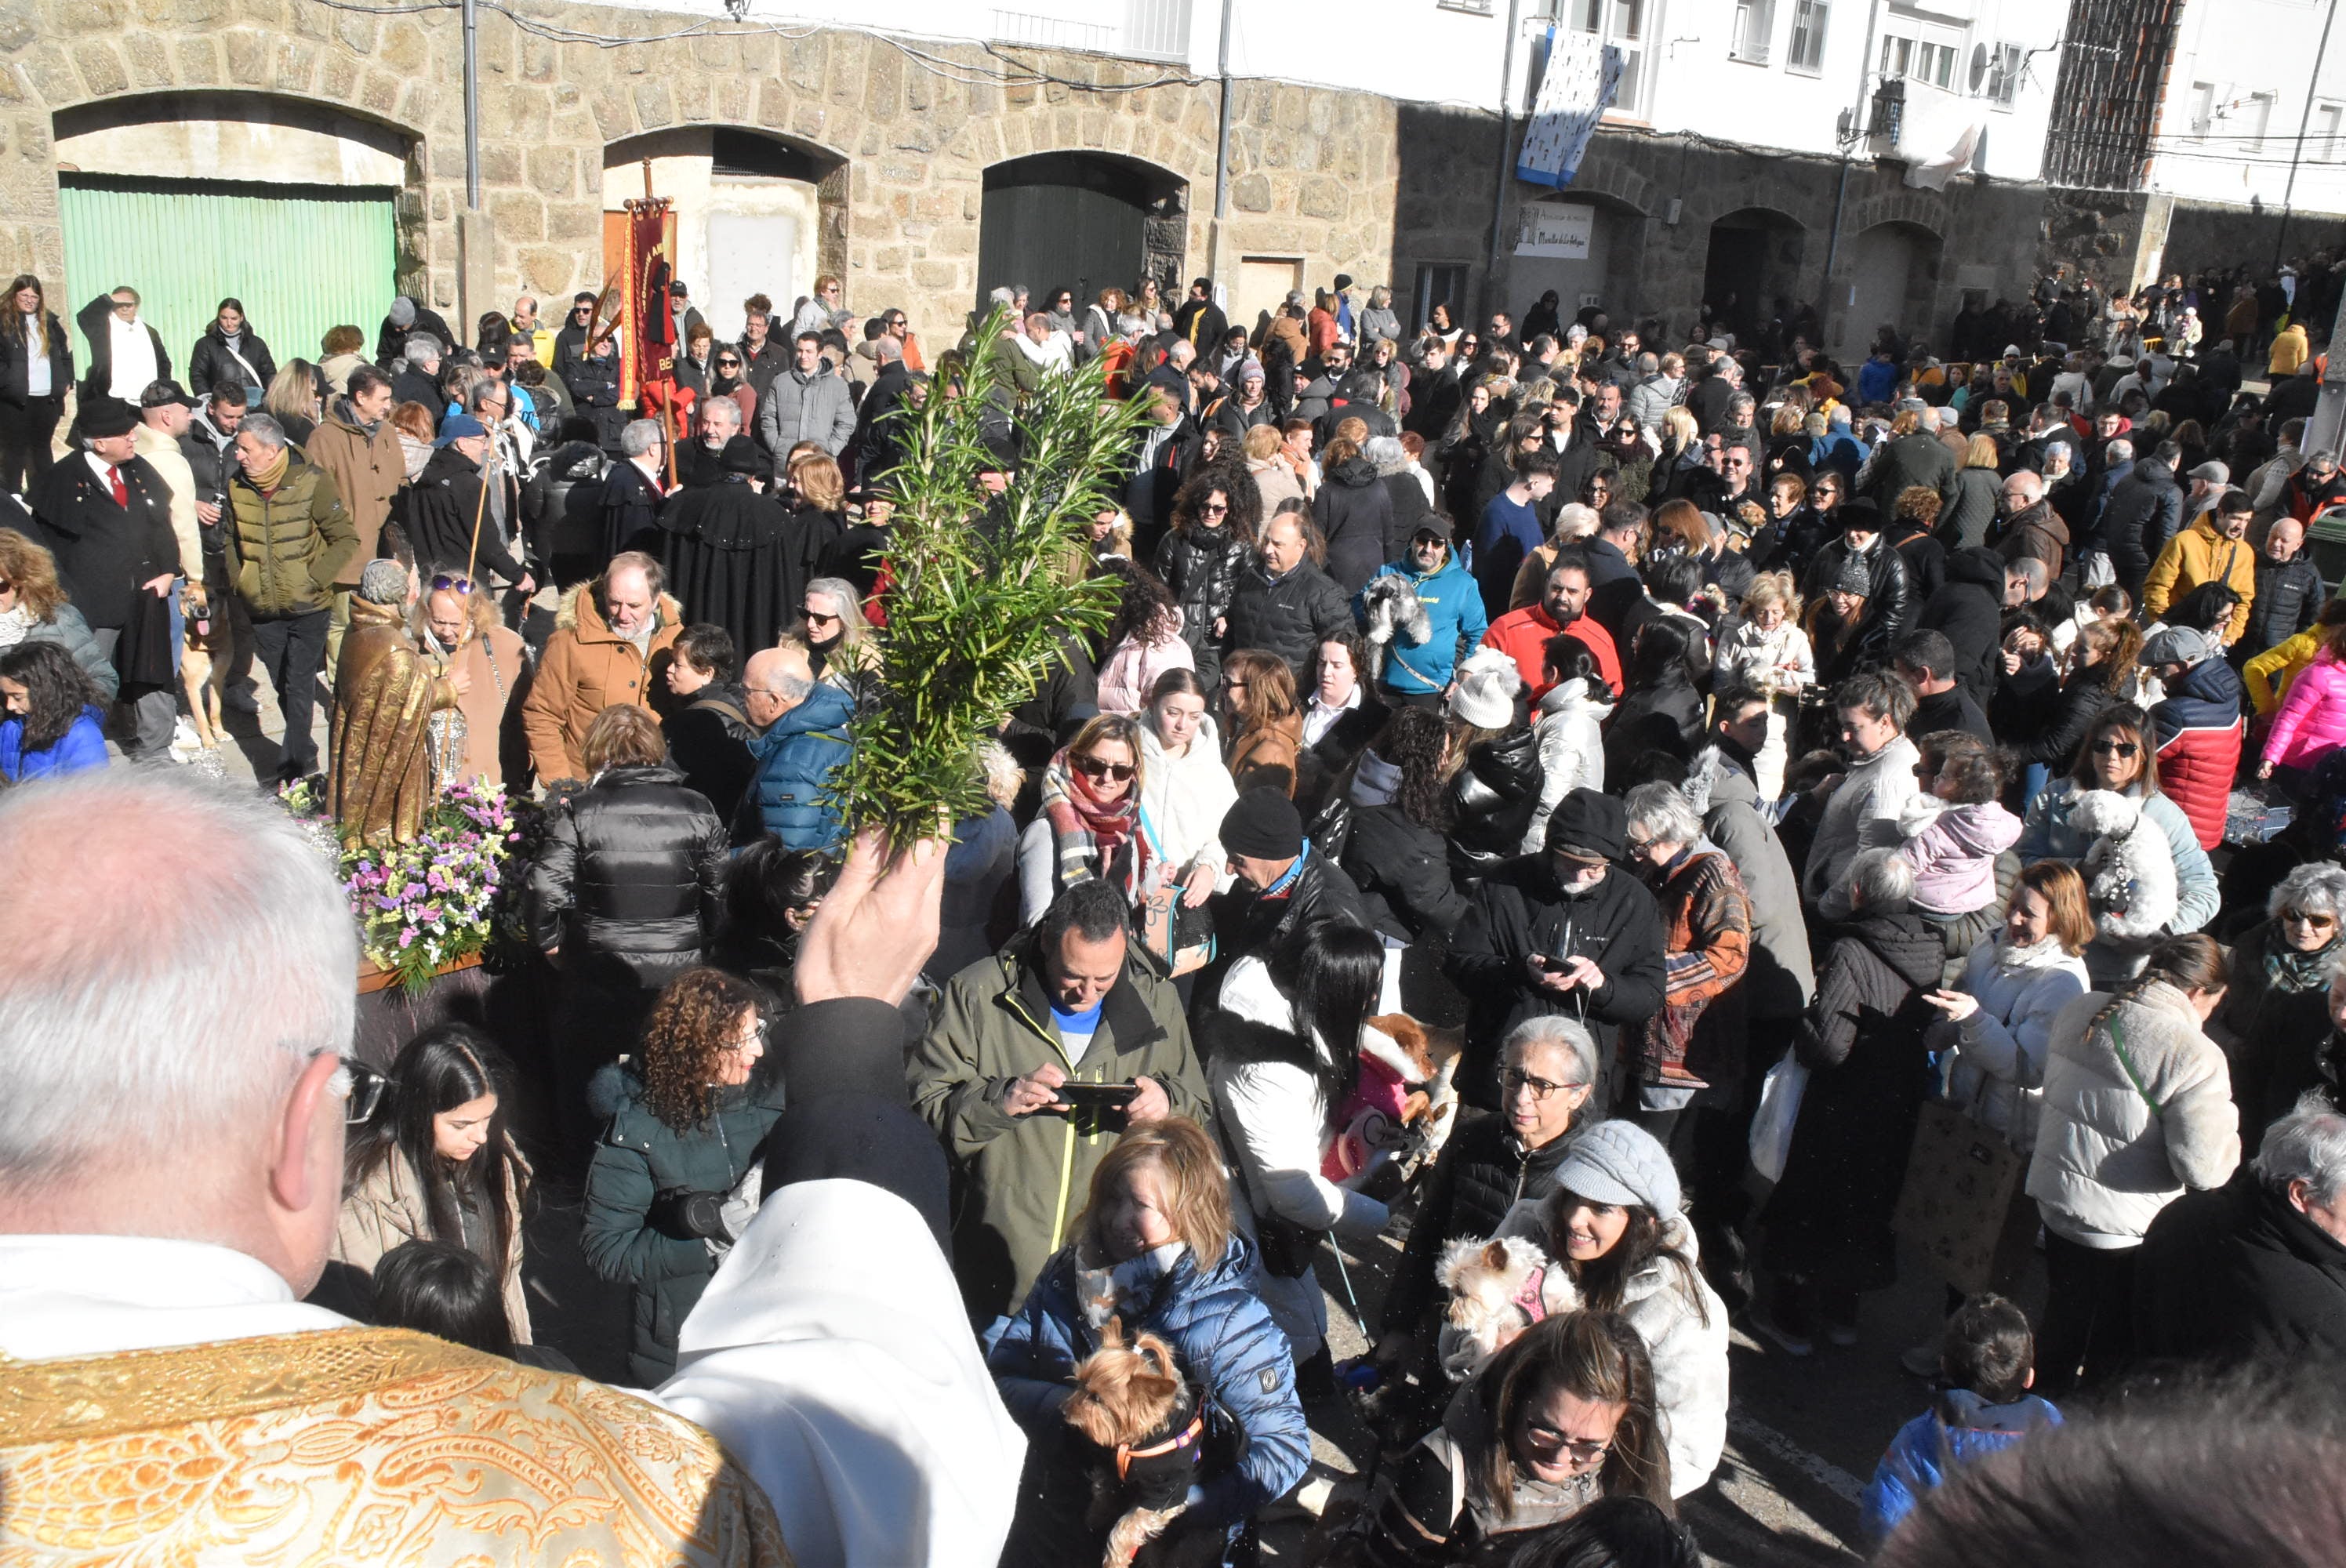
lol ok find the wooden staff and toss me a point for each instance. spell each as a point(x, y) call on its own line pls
point(480, 506)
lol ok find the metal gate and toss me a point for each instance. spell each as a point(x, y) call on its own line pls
point(1064, 220)
point(302, 258)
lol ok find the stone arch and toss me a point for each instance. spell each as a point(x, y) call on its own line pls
point(758, 209)
point(1083, 220)
point(1754, 253)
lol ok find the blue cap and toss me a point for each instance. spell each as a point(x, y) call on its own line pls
point(459, 426)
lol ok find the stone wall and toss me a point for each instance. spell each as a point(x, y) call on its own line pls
point(1314, 170)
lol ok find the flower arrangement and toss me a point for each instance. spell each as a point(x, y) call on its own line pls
point(424, 906)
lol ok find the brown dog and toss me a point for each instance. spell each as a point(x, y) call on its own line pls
point(1134, 1405)
point(197, 669)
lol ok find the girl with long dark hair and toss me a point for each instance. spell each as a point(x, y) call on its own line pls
point(50, 722)
point(35, 367)
point(1287, 1037)
point(437, 1162)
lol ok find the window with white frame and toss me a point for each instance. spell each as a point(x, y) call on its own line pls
point(1755, 24)
point(1806, 51)
point(1927, 60)
point(2203, 109)
point(2004, 64)
point(2325, 149)
point(2255, 117)
point(1622, 23)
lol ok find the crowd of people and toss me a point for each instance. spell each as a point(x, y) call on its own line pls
point(1585, 808)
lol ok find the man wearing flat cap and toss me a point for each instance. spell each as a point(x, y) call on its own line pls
point(1567, 931)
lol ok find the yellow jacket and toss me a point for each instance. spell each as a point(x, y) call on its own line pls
point(2289, 350)
point(2268, 675)
point(2202, 553)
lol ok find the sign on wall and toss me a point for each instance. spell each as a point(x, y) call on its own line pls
point(1576, 88)
point(1558, 228)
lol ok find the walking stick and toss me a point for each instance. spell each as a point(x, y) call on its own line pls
point(480, 506)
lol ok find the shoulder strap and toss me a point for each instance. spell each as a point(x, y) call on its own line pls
point(2126, 1062)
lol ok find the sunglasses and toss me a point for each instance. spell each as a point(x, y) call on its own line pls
point(6, 587)
point(1094, 768)
point(1213, 509)
point(817, 618)
point(460, 584)
point(2115, 748)
point(729, 364)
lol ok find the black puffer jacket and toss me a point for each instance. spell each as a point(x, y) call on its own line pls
point(1482, 1173)
point(2142, 515)
point(211, 363)
point(1354, 514)
point(1289, 617)
point(562, 510)
point(1889, 606)
point(2062, 718)
point(1491, 801)
point(1968, 610)
point(1404, 873)
point(1201, 565)
point(628, 879)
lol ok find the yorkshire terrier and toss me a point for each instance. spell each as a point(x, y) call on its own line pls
point(1132, 1403)
point(1495, 1293)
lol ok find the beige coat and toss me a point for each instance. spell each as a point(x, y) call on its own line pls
point(388, 1209)
point(586, 669)
point(499, 669)
point(367, 474)
point(162, 455)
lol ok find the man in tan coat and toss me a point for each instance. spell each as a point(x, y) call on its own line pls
point(356, 444)
point(162, 419)
point(610, 645)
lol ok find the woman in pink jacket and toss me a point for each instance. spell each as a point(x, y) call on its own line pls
point(1143, 642)
point(2311, 721)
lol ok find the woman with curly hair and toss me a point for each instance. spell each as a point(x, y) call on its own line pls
point(53, 724)
point(1145, 641)
point(1266, 727)
point(677, 1175)
point(1400, 811)
point(34, 608)
point(436, 1161)
point(1199, 559)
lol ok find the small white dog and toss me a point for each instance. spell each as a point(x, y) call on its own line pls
point(1497, 1290)
point(1393, 608)
point(2130, 868)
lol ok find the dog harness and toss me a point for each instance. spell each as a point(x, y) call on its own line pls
point(1529, 1300)
point(1158, 1471)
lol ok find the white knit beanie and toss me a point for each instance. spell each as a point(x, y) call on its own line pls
point(1487, 684)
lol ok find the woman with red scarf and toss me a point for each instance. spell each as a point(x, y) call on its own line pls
point(1090, 822)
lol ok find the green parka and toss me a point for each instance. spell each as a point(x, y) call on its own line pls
point(1020, 1182)
point(288, 545)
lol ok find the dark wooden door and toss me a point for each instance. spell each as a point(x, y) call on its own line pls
point(1061, 220)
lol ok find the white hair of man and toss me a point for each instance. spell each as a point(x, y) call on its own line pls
point(2118, 451)
point(156, 1034)
point(1004, 776)
point(1555, 1032)
point(422, 350)
point(640, 436)
point(2030, 485)
point(1574, 520)
point(721, 411)
point(1001, 296)
point(2308, 1145)
point(264, 429)
point(1880, 878)
point(1662, 810)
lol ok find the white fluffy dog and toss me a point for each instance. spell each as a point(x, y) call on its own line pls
point(1496, 1291)
point(2130, 868)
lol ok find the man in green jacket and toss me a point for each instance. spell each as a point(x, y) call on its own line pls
point(288, 539)
point(1071, 1001)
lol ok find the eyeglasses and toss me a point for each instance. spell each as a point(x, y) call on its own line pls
point(6, 587)
point(2121, 748)
point(461, 585)
point(1582, 1452)
point(1518, 1082)
point(1213, 509)
point(1636, 842)
point(1096, 768)
point(362, 1088)
point(2307, 917)
point(817, 618)
point(1926, 770)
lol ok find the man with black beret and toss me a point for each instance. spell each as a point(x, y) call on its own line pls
point(1569, 931)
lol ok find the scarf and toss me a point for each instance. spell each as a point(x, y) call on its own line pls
point(1106, 1291)
point(270, 478)
point(2011, 961)
point(1090, 832)
point(2288, 970)
point(348, 412)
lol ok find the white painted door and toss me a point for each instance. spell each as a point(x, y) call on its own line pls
point(750, 253)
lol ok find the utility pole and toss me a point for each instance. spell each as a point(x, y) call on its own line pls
point(1222, 136)
point(2297, 148)
point(1491, 299)
point(477, 246)
point(472, 105)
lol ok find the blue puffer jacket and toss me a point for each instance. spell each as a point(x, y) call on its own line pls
point(79, 749)
point(1256, 1445)
point(1453, 611)
point(795, 759)
point(1963, 1428)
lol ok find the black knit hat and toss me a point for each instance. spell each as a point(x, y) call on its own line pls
point(1586, 824)
point(1264, 824)
point(742, 456)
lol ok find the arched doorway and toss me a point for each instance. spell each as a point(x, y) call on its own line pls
point(308, 235)
point(755, 213)
point(1081, 220)
point(1754, 259)
point(1893, 277)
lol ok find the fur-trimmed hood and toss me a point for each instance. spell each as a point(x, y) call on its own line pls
point(579, 613)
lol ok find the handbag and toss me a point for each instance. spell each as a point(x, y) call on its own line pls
point(1961, 1176)
point(1779, 1112)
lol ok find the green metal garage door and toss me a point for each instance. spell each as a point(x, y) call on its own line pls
point(302, 258)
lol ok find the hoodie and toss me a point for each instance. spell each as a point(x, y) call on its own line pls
point(1958, 1429)
point(1953, 850)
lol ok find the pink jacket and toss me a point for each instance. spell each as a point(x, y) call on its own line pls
point(1953, 856)
point(2311, 721)
point(1131, 668)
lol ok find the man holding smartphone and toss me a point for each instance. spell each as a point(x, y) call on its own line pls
point(1038, 1058)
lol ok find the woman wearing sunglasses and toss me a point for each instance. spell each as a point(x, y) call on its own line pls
point(1089, 828)
point(677, 1175)
point(2116, 755)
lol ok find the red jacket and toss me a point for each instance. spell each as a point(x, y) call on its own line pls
point(1522, 635)
point(2198, 730)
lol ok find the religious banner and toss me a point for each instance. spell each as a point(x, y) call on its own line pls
point(1575, 89)
point(650, 269)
